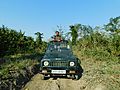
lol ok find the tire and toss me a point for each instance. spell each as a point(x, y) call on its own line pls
point(46, 78)
point(42, 77)
point(77, 77)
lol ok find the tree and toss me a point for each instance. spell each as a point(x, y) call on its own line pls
point(39, 38)
point(12, 42)
point(74, 33)
point(113, 26)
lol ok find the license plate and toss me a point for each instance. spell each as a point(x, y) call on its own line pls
point(58, 71)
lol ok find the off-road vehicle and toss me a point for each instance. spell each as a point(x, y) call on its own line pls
point(59, 61)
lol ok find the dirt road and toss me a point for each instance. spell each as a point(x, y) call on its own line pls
point(60, 84)
point(96, 76)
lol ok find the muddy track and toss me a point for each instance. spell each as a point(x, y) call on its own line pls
point(59, 84)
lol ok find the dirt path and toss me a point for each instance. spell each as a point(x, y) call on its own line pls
point(96, 76)
point(60, 84)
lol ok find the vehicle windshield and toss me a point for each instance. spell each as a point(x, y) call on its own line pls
point(55, 45)
point(58, 50)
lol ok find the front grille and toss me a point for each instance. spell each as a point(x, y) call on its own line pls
point(59, 63)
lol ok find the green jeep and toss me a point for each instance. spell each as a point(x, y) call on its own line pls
point(59, 61)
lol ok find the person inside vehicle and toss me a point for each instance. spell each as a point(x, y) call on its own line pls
point(57, 36)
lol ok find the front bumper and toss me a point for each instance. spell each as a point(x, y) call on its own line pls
point(68, 71)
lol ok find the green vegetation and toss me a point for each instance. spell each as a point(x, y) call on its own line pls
point(99, 51)
point(100, 43)
point(19, 57)
point(13, 42)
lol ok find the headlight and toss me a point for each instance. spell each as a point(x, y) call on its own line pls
point(72, 63)
point(46, 63)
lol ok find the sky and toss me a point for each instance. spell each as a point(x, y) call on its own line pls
point(43, 16)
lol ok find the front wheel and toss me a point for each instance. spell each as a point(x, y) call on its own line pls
point(46, 78)
point(77, 76)
point(41, 76)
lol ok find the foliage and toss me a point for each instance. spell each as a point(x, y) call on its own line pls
point(113, 26)
point(19, 56)
point(39, 39)
point(74, 33)
point(13, 42)
point(101, 43)
point(99, 51)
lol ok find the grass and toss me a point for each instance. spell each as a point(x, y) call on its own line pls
point(97, 54)
point(18, 70)
point(15, 63)
point(100, 68)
